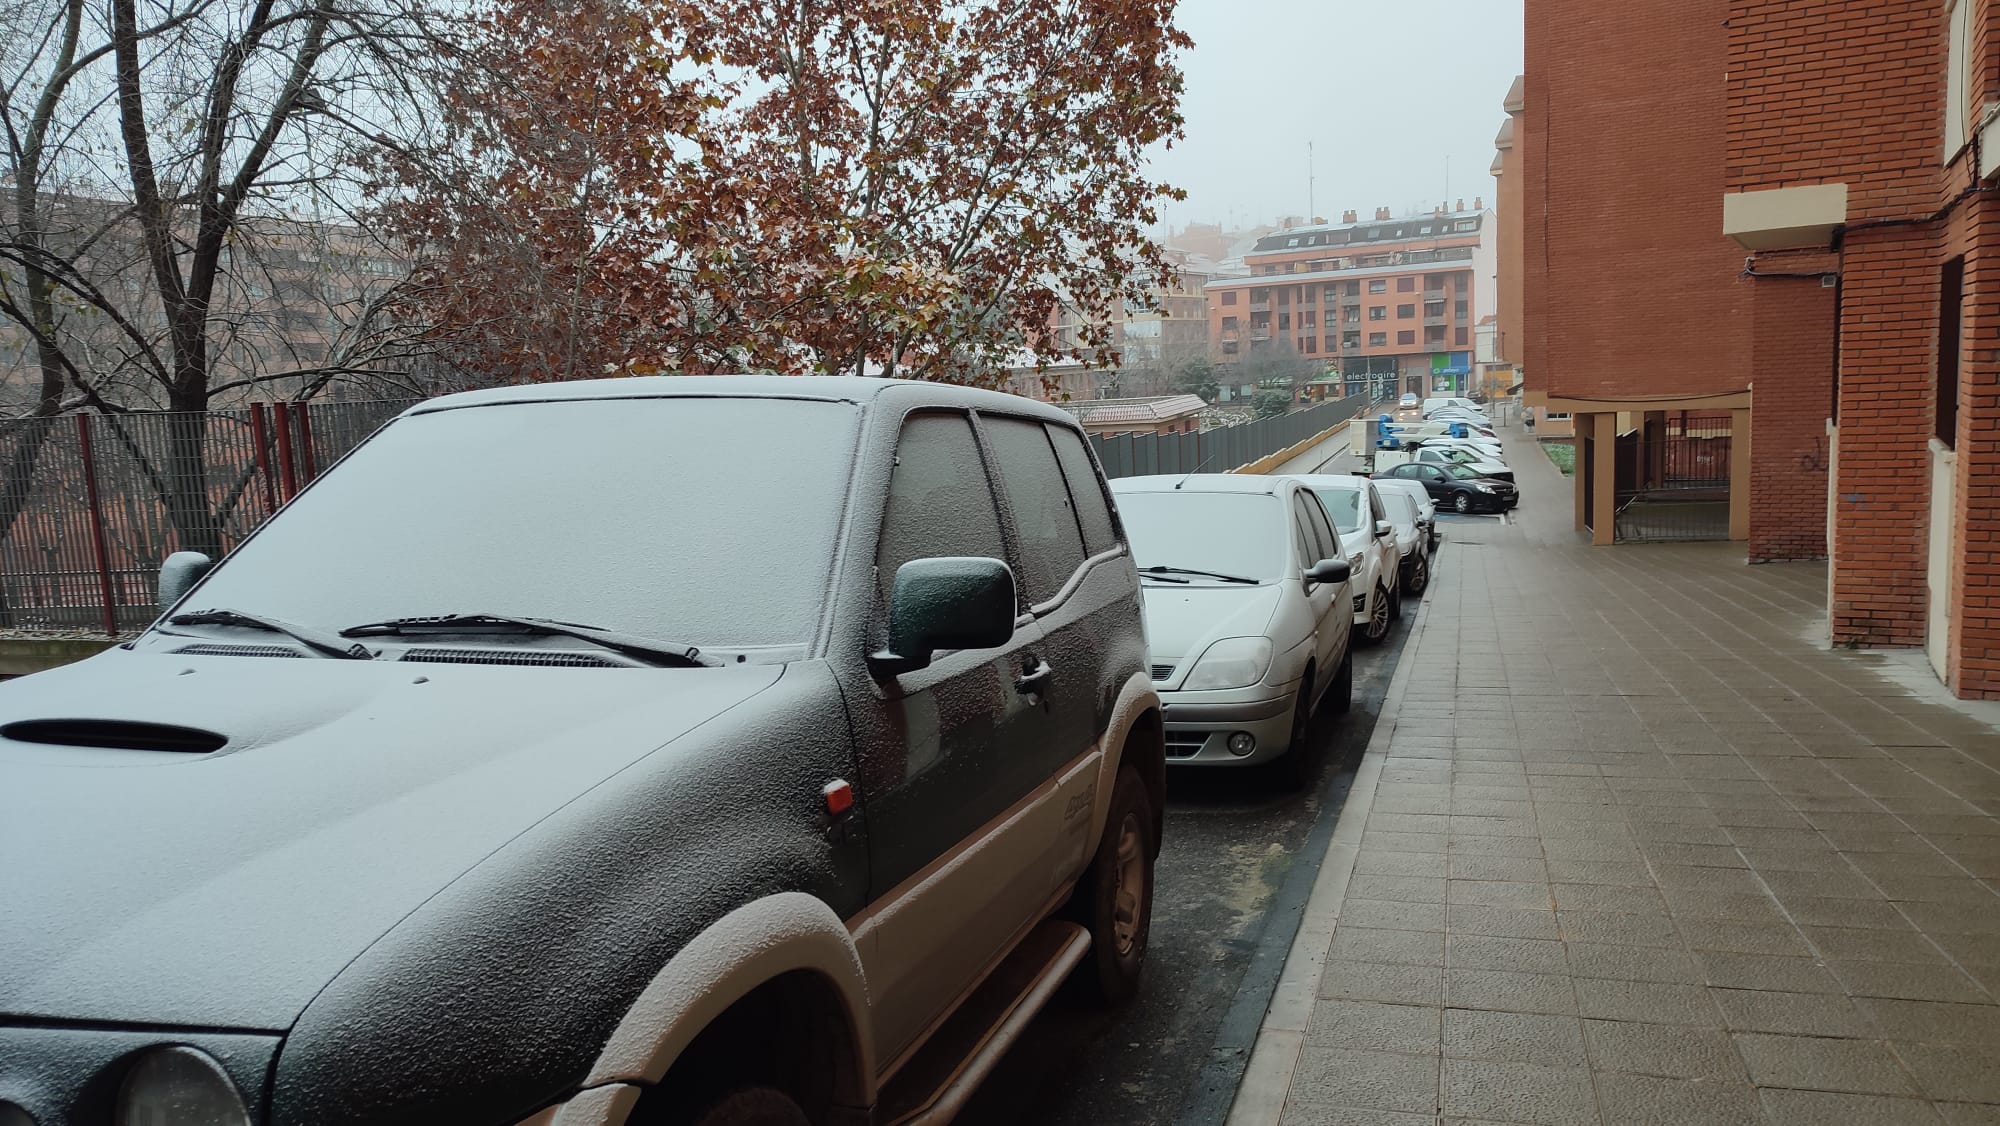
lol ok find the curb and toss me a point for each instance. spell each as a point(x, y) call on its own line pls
point(1267, 1081)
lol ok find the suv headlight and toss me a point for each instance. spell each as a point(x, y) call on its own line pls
point(179, 1086)
point(1233, 662)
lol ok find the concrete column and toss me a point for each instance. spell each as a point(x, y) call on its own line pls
point(1604, 482)
point(1579, 428)
point(1654, 459)
point(1739, 474)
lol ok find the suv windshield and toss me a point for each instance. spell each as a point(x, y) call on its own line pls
point(708, 521)
point(1228, 533)
point(1343, 505)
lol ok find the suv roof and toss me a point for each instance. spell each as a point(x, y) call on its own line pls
point(830, 388)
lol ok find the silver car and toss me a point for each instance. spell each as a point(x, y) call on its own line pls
point(1248, 619)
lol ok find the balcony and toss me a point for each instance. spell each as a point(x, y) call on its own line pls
point(1433, 294)
point(1434, 320)
point(1229, 334)
point(1350, 347)
point(1260, 306)
point(1260, 334)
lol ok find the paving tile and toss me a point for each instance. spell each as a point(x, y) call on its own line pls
point(1854, 944)
point(1632, 963)
point(1741, 881)
point(1765, 971)
point(1518, 1092)
point(1499, 893)
point(1611, 928)
point(1827, 1108)
point(1388, 914)
point(1344, 1077)
point(1970, 1114)
point(1361, 944)
point(1647, 1100)
point(1300, 1113)
point(1374, 1026)
point(1378, 862)
point(1543, 1038)
point(1666, 1050)
point(1742, 938)
point(1736, 906)
point(1796, 859)
point(1969, 949)
point(1409, 889)
point(1521, 955)
point(1468, 843)
point(1953, 1074)
point(1821, 1064)
point(1509, 991)
point(1935, 1021)
point(1694, 856)
point(1907, 980)
point(1599, 872)
point(1834, 884)
point(1608, 897)
point(1500, 922)
point(1804, 1014)
point(1814, 911)
point(1955, 918)
point(1654, 1002)
point(1376, 841)
point(1472, 866)
point(1379, 981)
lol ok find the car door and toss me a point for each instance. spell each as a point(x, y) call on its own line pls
point(951, 757)
point(1319, 541)
point(1435, 481)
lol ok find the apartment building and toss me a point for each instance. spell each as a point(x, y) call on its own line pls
point(1813, 247)
point(1176, 324)
point(1389, 302)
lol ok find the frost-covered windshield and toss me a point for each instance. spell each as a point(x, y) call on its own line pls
point(705, 521)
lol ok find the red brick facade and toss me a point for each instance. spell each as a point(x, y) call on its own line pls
point(1838, 337)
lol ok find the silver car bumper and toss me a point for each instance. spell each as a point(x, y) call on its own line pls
point(1198, 733)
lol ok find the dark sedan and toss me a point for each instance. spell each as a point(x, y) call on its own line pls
point(1457, 487)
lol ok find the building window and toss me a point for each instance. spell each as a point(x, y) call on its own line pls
point(1331, 295)
point(1291, 242)
point(1354, 289)
point(1352, 315)
point(1407, 336)
point(1378, 312)
point(1466, 225)
point(1951, 292)
point(1406, 285)
point(1378, 339)
point(1229, 347)
point(1308, 320)
point(1379, 285)
point(1229, 297)
point(1425, 229)
point(1958, 20)
point(1311, 345)
point(1229, 324)
point(1460, 335)
point(1284, 320)
point(1405, 312)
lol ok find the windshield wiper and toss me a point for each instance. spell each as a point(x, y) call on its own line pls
point(643, 648)
point(1157, 571)
point(310, 638)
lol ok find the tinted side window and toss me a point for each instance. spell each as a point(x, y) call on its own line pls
point(1329, 540)
point(1307, 550)
point(1093, 509)
point(1375, 503)
point(1406, 472)
point(1051, 544)
point(939, 502)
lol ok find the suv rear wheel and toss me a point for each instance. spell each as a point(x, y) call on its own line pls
point(1114, 900)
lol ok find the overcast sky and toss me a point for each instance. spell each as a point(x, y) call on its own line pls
point(1384, 90)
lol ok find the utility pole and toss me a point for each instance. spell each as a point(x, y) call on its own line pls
point(1447, 181)
point(1312, 210)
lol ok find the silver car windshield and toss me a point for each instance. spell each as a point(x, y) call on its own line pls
point(1228, 533)
point(1343, 505)
point(660, 517)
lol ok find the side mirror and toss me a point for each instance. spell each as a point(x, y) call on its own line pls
point(1384, 529)
point(1329, 571)
point(179, 573)
point(945, 603)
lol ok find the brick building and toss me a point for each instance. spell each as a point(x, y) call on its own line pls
point(1809, 187)
point(1392, 301)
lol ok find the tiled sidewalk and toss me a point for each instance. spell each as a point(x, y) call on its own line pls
point(1635, 851)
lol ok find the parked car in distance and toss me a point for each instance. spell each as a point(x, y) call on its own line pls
point(1488, 449)
point(1413, 539)
point(1368, 539)
point(1421, 497)
point(1247, 592)
point(856, 760)
point(1458, 488)
point(1463, 455)
point(1458, 402)
point(1409, 399)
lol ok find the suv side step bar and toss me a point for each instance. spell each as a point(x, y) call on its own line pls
point(933, 1086)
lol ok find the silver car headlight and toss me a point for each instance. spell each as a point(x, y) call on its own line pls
point(179, 1086)
point(1354, 561)
point(1233, 662)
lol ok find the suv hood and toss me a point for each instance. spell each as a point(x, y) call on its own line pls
point(225, 890)
point(1182, 621)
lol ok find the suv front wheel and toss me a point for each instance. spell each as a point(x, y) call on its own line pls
point(1114, 900)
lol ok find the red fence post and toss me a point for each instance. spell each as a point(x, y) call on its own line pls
point(96, 525)
point(260, 434)
point(288, 484)
point(303, 412)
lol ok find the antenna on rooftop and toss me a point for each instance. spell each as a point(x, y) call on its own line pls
point(1311, 209)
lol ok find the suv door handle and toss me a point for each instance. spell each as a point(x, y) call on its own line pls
point(1034, 678)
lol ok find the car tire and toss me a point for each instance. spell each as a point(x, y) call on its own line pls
point(1461, 502)
point(1294, 768)
point(1396, 600)
point(753, 1106)
point(1419, 577)
point(1114, 899)
point(1379, 611)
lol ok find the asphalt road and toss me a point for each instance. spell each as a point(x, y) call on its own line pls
point(1230, 839)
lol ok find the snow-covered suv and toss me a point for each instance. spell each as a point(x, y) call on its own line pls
point(1369, 539)
point(856, 758)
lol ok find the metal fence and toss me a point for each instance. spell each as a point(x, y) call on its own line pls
point(1218, 451)
point(90, 504)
